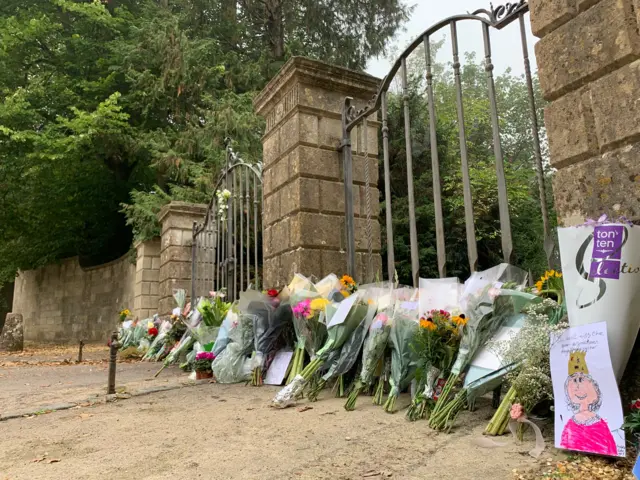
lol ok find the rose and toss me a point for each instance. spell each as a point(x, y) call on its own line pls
point(153, 331)
point(635, 405)
point(272, 292)
point(516, 411)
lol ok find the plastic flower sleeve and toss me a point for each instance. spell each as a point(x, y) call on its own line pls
point(233, 364)
point(403, 357)
point(351, 348)
point(222, 339)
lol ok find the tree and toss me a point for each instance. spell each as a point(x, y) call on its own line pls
point(104, 103)
point(512, 99)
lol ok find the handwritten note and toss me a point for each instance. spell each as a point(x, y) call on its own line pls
point(344, 307)
point(278, 368)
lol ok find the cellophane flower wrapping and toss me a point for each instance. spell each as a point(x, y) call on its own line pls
point(222, 340)
point(376, 343)
point(311, 331)
point(484, 315)
point(266, 329)
point(233, 365)
point(403, 356)
point(353, 346)
point(337, 335)
point(180, 350)
point(158, 343)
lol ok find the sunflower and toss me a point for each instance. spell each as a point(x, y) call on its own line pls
point(348, 283)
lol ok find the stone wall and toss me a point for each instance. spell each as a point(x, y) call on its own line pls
point(589, 68)
point(304, 209)
point(65, 303)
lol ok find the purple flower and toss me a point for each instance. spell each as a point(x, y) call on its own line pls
point(302, 309)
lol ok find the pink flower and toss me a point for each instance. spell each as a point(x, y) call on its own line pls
point(206, 356)
point(302, 309)
point(516, 411)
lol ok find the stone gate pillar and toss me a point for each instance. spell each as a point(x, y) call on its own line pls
point(589, 68)
point(174, 271)
point(303, 203)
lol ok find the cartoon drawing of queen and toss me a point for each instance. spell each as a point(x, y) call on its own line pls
point(585, 431)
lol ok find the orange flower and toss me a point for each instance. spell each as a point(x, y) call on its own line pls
point(428, 324)
point(347, 281)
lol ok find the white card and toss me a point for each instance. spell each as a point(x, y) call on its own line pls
point(344, 307)
point(278, 368)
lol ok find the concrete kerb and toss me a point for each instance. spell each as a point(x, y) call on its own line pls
point(99, 400)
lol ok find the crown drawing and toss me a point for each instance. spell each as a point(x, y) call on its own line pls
point(577, 363)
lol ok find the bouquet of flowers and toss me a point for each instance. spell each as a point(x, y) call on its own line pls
point(436, 344)
point(487, 311)
point(157, 345)
point(347, 357)
point(529, 352)
point(403, 357)
point(311, 331)
point(266, 331)
point(372, 354)
point(232, 365)
point(348, 315)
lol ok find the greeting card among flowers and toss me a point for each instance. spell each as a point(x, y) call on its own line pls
point(588, 411)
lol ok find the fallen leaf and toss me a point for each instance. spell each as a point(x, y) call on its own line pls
point(305, 408)
point(53, 460)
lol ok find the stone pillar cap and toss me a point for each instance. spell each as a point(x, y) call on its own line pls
point(319, 73)
point(182, 208)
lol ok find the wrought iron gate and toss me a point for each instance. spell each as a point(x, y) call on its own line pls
point(489, 20)
point(226, 248)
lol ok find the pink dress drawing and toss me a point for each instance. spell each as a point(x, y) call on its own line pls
point(593, 436)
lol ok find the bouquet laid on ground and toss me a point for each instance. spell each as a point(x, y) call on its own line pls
point(232, 364)
point(212, 312)
point(310, 327)
point(529, 352)
point(343, 318)
point(267, 328)
point(436, 345)
point(157, 346)
point(403, 357)
point(202, 365)
point(372, 354)
point(349, 353)
point(487, 311)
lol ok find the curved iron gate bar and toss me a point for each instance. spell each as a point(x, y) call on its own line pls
point(223, 250)
point(497, 18)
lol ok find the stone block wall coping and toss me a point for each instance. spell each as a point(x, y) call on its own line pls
point(315, 72)
point(182, 208)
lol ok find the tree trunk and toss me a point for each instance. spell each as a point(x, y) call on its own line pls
point(275, 29)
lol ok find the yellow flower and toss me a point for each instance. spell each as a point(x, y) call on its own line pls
point(428, 324)
point(539, 285)
point(345, 294)
point(318, 304)
point(459, 320)
point(558, 275)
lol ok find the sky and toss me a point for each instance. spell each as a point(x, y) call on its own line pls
point(506, 44)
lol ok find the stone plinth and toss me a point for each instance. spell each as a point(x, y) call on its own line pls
point(177, 220)
point(303, 209)
point(12, 334)
point(147, 286)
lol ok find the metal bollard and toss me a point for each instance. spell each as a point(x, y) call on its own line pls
point(113, 355)
point(80, 351)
